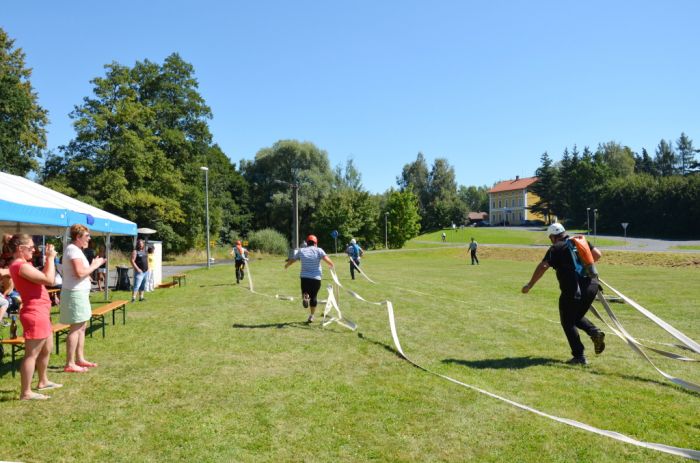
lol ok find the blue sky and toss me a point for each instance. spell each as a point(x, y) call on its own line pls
point(488, 85)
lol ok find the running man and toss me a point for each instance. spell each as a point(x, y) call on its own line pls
point(240, 255)
point(577, 293)
point(355, 252)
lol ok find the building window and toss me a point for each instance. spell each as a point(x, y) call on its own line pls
point(499, 203)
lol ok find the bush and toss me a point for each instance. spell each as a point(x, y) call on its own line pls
point(268, 241)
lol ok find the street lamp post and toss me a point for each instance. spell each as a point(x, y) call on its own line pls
point(295, 210)
point(595, 220)
point(206, 200)
point(386, 230)
point(588, 223)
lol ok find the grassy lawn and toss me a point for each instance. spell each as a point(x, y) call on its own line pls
point(496, 235)
point(212, 372)
point(688, 247)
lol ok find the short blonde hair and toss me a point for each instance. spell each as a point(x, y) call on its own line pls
point(77, 230)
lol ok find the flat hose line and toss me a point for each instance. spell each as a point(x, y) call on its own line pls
point(679, 451)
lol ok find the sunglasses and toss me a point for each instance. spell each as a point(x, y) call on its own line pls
point(30, 247)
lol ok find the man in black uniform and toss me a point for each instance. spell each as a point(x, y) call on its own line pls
point(577, 293)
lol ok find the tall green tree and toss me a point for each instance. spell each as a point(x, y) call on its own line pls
point(270, 174)
point(665, 158)
point(686, 154)
point(474, 198)
point(415, 177)
point(22, 120)
point(141, 139)
point(545, 188)
point(644, 164)
point(618, 158)
point(403, 217)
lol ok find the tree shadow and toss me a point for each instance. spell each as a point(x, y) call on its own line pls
point(510, 363)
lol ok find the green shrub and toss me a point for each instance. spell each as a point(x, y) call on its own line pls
point(268, 241)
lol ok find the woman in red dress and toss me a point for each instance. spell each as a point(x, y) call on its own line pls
point(35, 314)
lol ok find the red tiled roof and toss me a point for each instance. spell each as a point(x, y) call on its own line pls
point(477, 216)
point(510, 185)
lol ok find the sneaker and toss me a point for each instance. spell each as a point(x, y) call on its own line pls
point(310, 319)
point(305, 303)
point(598, 342)
point(133, 299)
point(577, 361)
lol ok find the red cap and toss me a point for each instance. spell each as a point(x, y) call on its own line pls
point(312, 238)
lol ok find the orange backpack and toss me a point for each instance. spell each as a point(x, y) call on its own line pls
point(582, 256)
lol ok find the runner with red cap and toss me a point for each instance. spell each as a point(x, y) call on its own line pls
point(311, 257)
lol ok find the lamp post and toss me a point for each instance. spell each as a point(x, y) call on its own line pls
point(295, 210)
point(386, 230)
point(588, 223)
point(206, 200)
point(595, 220)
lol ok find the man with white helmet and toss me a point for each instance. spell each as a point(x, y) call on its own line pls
point(577, 292)
point(354, 251)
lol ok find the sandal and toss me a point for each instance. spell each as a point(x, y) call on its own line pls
point(86, 364)
point(76, 369)
point(48, 386)
point(35, 396)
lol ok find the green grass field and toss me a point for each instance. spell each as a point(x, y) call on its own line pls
point(496, 235)
point(212, 372)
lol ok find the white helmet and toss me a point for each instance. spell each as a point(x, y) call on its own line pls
point(352, 241)
point(555, 229)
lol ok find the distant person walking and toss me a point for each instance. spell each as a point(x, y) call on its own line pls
point(444, 237)
point(311, 257)
point(577, 292)
point(355, 252)
point(472, 250)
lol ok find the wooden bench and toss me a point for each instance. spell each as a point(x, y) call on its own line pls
point(179, 278)
point(17, 344)
point(167, 285)
point(100, 312)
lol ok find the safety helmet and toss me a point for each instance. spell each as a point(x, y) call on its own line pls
point(312, 239)
point(238, 242)
point(555, 229)
point(352, 241)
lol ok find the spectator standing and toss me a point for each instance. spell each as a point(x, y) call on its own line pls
point(35, 314)
point(75, 297)
point(444, 237)
point(139, 261)
point(150, 279)
point(311, 257)
point(355, 252)
point(472, 250)
point(577, 293)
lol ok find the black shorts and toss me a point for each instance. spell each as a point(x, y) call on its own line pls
point(311, 286)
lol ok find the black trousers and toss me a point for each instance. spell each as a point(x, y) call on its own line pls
point(311, 286)
point(474, 258)
point(240, 265)
point(572, 315)
point(352, 266)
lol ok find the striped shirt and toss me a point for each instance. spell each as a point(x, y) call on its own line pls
point(310, 257)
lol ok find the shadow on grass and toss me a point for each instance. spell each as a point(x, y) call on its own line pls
point(271, 325)
point(218, 284)
point(380, 344)
point(510, 363)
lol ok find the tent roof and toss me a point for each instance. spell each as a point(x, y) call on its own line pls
point(28, 207)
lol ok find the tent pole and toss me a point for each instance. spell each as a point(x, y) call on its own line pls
point(107, 248)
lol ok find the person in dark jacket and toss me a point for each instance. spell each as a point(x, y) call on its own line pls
point(577, 293)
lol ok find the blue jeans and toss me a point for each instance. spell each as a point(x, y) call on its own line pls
point(140, 281)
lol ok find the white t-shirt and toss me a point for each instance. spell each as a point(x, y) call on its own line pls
point(70, 279)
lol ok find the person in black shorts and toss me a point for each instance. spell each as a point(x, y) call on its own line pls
point(577, 293)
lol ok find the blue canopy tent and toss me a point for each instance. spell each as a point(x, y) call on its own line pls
point(27, 207)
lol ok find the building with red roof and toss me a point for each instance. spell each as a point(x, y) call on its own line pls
point(509, 201)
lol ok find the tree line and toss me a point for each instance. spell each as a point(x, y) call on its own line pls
point(142, 136)
point(658, 196)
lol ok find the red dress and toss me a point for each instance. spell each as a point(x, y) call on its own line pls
point(35, 314)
